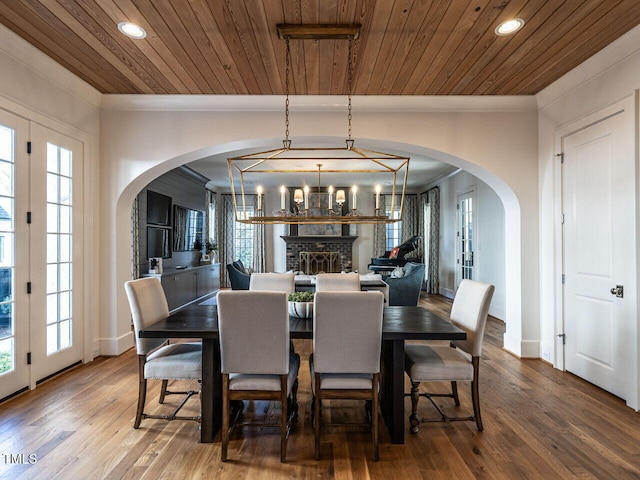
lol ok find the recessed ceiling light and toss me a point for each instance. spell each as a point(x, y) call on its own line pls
point(509, 27)
point(132, 30)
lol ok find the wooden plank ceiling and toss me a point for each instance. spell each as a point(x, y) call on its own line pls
point(406, 47)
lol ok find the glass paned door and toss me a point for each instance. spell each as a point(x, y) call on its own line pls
point(465, 237)
point(57, 256)
point(14, 246)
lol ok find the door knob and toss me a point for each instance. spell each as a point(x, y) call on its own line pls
point(618, 291)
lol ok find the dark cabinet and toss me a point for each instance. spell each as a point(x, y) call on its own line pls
point(185, 286)
point(208, 279)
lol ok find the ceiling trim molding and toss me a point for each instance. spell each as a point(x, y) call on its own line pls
point(364, 103)
point(21, 51)
point(616, 53)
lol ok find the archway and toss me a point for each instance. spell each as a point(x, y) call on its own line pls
point(513, 273)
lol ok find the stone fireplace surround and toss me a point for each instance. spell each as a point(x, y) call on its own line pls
point(343, 245)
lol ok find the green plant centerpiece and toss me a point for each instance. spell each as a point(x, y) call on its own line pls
point(301, 304)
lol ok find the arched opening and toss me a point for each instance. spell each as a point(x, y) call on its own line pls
point(512, 219)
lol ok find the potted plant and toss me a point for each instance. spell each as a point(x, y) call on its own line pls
point(301, 304)
point(211, 248)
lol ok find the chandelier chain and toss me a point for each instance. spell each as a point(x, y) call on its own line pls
point(287, 142)
point(349, 89)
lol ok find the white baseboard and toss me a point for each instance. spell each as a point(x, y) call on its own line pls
point(116, 346)
point(445, 292)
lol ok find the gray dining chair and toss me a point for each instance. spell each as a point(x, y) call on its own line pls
point(256, 362)
point(455, 363)
point(157, 358)
point(277, 282)
point(345, 364)
point(337, 282)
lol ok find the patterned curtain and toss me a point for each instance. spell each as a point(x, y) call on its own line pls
point(422, 207)
point(380, 233)
point(410, 217)
point(135, 241)
point(259, 240)
point(225, 246)
point(211, 214)
point(433, 279)
point(180, 229)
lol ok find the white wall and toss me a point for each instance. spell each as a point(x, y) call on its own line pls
point(489, 237)
point(608, 77)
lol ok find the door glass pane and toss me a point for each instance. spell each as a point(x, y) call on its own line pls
point(466, 237)
point(6, 178)
point(59, 241)
point(7, 265)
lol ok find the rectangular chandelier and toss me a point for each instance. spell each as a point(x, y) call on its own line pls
point(314, 174)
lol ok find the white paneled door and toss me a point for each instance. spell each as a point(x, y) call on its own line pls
point(41, 324)
point(599, 252)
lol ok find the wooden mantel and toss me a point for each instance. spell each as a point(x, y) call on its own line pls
point(318, 238)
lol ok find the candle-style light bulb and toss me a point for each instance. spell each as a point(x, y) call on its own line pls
point(354, 191)
point(378, 189)
point(283, 201)
point(330, 196)
point(306, 197)
point(259, 191)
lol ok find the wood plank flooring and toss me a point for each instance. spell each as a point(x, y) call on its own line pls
point(540, 423)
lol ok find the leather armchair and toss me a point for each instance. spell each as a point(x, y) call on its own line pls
point(405, 291)
point(238, 277)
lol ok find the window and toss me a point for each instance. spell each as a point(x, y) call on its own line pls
point(244, 238)
point(213, 222)
point(394, 230)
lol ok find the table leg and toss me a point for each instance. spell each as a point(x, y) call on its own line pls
point(392, 388)
point(211, 398)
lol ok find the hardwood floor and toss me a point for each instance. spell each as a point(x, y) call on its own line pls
point(538, 423)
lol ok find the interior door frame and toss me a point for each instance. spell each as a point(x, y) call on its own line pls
point(628, 104)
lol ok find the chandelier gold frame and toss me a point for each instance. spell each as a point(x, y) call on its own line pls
point(320, 161)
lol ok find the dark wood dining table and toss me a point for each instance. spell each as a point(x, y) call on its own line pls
point(399, 324)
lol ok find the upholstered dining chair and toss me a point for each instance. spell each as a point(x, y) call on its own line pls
point(347, 339)
point(255, 358)
point(337, 282)
point(277, 282)
point(455, 363)
point(157, 358)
